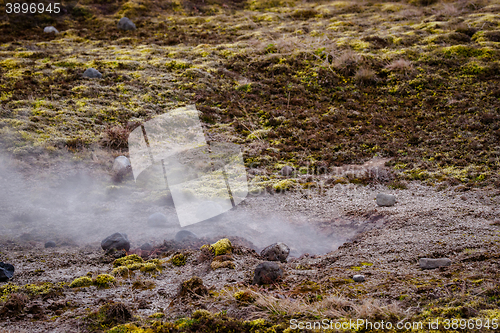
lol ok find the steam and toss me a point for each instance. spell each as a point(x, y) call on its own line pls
point(79, 204)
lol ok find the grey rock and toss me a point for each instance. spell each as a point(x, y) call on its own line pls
point(121, 164)
point(157, 220)
point(50, 244)
point(117, 241)
point(6, 272)
point(184, 235)
point(286, 170)
point(50, 30)
point(386, 200)
point(276, 252)
point(358, 278)
point(267, 272)
point(126, 24)
point(146, 247)
point(92, 73)
point(428, 263)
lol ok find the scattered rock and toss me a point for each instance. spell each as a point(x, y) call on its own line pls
point(183, 235)
point(157, 220)
point(92, 73)
point(286, 170)
point(428, 263)
point(126, 24)
point(193, 287)
point(276, 252)
point(6, 272)
point(358, 278)
point(386, 200)
point(50, 30)
point(146, 247)
point(267, 272)
point(50, 244)
point(117, 241)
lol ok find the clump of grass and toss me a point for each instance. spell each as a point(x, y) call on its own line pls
point(115, 137)
point(365, 76)
point(400, 66)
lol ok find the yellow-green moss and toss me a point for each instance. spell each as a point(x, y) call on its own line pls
point(157, 315)
point(244, 296)
point(122, 271)
point(178, 260)
point(126, 328)
point(104, 280)
point(222, 246)
point(224, 264)
point(148, 267)
point(83, 281)
point(284, 185)
point(125, 261)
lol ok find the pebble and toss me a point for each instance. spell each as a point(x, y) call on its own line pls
point(126, 24)
point(386, 200)
point(267, 272)
point(276, 252)
point(117, 241)
point(6, 272)
point(50, 244)
point(50, 30)
point(428, 263)
point(358, 278)
point(92, 73)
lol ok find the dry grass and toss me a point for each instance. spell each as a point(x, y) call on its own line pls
point(365, 76)
point(401, 66)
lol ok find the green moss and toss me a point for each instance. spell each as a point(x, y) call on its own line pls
point(149, 267)
point(104, 280)
point(244, 296)
point(222, 246)
point(284, 185)
point(465, 51)
point(40, 288)
point(7, 289)
point(122, 271)
point(157, 315)
point(126, 328)
point(128, 260)
point(83, 281)
point(178, 260)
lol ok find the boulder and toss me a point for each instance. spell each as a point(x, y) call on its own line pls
point(50, 244)
point(275, 252)
point(117, 241)
point(146, 247)
point(358, 278)
point(126, 24)
point(428, 263)
point(121, 164)
point(267, 272)
point(6, 272)
point(157, 220)
point(50, 30)
point(184, 235)
point(386, 200)
point(92, 73)
point(286, 170)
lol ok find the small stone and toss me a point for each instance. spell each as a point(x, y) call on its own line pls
point(286, 170)
point(276, 252)
point(267, 272)
point(193, 287)
point(183, 235)
point(92, 73)
point(386, 200)
point(146, 247)
point(50, 244)
point(428, 263)
point(121, 164)
point(358, 278)
point(6, 272)
point(117, 241)
point(50, 30)
point(157, 220)
point(126, 24)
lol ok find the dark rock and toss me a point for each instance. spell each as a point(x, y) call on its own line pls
point(117, 241)
point(276, 252)
point(427, 263)
point(126, 24)
point(6, 272)
point(184, 235)
point(386, 200)
point(92, 73)
point(193, 287)
point(50, 244)
point(146, 247)
point(358, 278)
point(286, 170)
point(157, 220)
point(267, 272)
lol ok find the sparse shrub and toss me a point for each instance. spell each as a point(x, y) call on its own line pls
point(365, 76)
point(14, 305)
point(245, 296)
point(401, 66)
point(115, 137)
point(83, 281)
point(347, 62)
